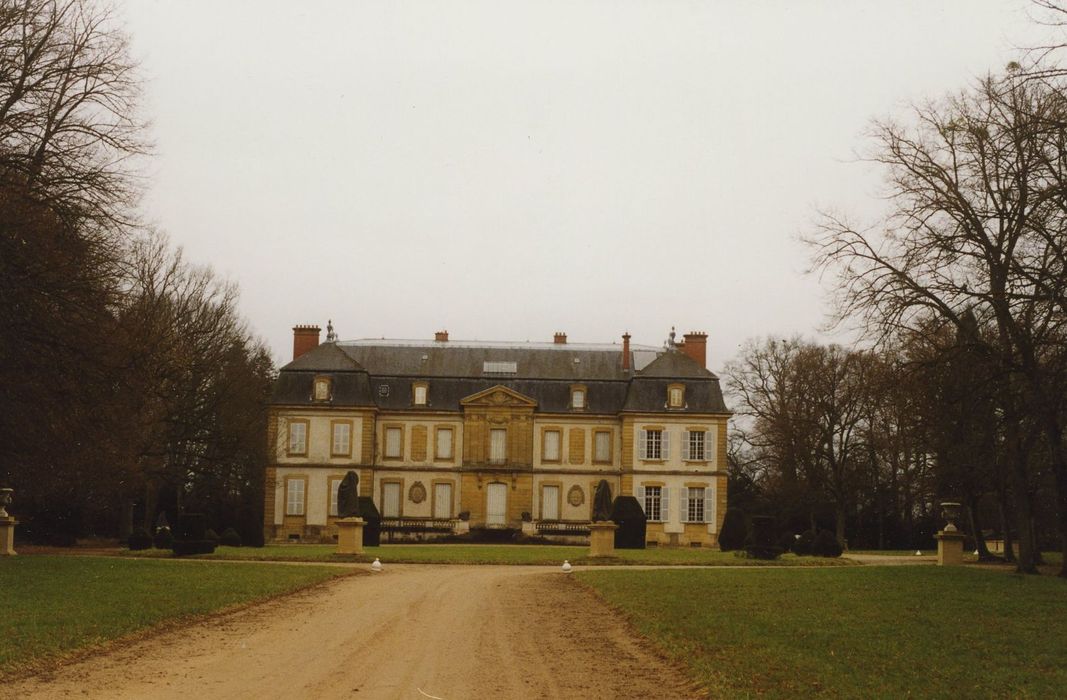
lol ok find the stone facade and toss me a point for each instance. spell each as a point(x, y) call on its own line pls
point(449, 436)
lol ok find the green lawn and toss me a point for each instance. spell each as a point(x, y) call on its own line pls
point(499, 554)
point(855, 632)
point(54, 604)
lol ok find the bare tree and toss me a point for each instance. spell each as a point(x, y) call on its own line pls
point(977, 189)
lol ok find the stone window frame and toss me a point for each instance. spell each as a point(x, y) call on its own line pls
point(351, 432)
point(687, 444)
point(386, 427)
point(558, 429)
point(289, 451)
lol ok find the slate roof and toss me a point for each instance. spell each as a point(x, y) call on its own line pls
point(381, 373)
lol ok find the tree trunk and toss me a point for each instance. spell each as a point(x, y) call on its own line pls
point(1005, 526)
point(840, 517)
point(976, 529)
point(1020, 487)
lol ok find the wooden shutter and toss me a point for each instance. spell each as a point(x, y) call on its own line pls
point(642, 444)
point(709, 505)
point(665, 502)
point(665, 449)
point(683, 504)
point(641, 498)
point(685, 444)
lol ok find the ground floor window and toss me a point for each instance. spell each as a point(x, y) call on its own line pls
point(294, 496)
point(695, 505)
point(442, 501)
point(391, 499)
point(550, 502)
point(654, 502)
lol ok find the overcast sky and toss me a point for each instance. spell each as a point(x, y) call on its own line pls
point(505, 170)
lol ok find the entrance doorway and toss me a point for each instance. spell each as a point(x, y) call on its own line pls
point(496, 505)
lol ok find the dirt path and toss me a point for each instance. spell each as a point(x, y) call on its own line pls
point(411, 632)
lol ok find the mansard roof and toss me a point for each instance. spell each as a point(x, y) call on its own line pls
point(381, 372)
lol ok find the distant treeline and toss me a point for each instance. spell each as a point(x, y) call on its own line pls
point(127, 379)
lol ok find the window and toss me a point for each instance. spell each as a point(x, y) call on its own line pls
point(335, 484)
point(578, 397)
point(498, 442)
point(394, 439)
point(694, 446)
point(602, 446)
point(654, 445)
point(298, 437)
point(294, 496)
point(550, 503)
point(391, 499)
point(550, 449)
point(419, 396)
point(694, 509)
point(443, 446)
point(676, 396)
point(322, 389)
point(442, 501)
point(341, 444)
point(654, 503)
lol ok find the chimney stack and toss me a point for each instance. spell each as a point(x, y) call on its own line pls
point(559, 338)
point(696, 346)
point(626, 351)
point(305, 338)
point(441, 336)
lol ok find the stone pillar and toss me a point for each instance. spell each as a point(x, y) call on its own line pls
point(7, 536)
point(350, 535)
point(602, 539)
point(949, 547)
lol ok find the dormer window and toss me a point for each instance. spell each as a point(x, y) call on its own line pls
point(419, 392)
point(676, 396)
point(578, 397)
point(322, 389)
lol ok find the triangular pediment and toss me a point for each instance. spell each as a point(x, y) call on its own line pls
point(498, 395)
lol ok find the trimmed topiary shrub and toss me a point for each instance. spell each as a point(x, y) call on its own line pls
point(760, 543)
point(139, 539)
point(733, 531)
point(164, 538)
point(190, 536)
point(802, 544)
point(210, 534)
point(627, 513)
point(372, 531)
point(786, 541)
point(826, 545)
point(230, 538)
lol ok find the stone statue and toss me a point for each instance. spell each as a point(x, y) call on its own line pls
point(348, 496)
point(602, 502)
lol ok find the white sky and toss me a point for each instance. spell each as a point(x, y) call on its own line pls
point(504, 170)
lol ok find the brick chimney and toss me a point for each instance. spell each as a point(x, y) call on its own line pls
point(441, 336)
point(696, 346)
point(626, 351)
point(559, 338)
point(305, 338)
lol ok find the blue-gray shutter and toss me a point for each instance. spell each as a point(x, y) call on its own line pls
point(709, 505)
point(665, 504)
point(685, 445)
point(642, 445)
point(683, 504)
point(641, 497)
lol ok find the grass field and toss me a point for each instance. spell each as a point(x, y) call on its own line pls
point(54, 604)
point(499, 554)
point(853, 632)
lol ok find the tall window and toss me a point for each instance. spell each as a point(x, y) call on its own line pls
point(390, 499)
point(442, 501)
point(695, 506)
point(653, 444)
point(298, 437)
point(498, 445)
point(695, 445)
point(602, 446)
point(443, 447)
point(654, 502)
point(550, 502)
point(294, 496)
point(335, 484)
point(550, 452)
point(393, 442)
point(342, 440)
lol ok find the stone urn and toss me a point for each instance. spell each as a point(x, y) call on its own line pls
point(950, 511)
point(6, 495)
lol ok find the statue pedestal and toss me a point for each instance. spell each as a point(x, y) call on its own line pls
point(7, 536)
point(602, 539)
point(350, 535)
point(949, 547)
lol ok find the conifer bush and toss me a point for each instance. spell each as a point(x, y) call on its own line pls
point(163, 538)
point(139, 539)
point(230, 538)
point(733, 531)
